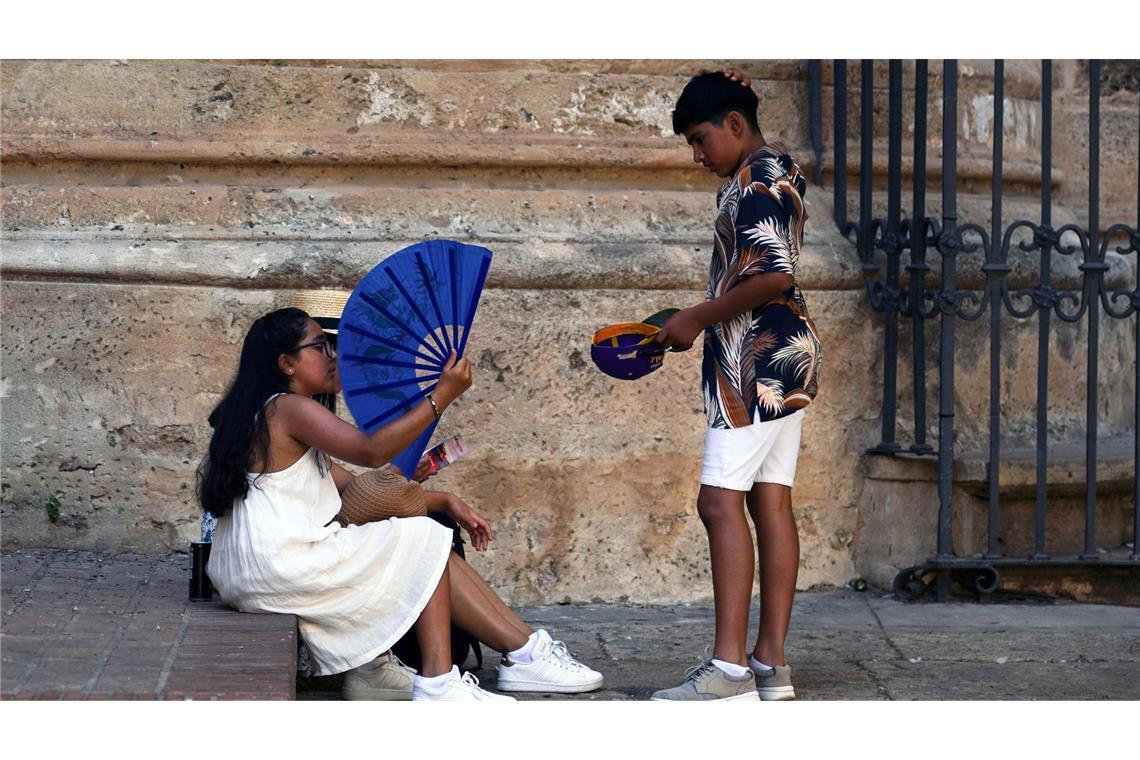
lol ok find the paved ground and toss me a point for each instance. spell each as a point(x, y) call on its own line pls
point(83, 625)
point(847, 645)
point(79, 625)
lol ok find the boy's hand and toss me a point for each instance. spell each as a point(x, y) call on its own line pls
point(743, 80)
point(680, 331)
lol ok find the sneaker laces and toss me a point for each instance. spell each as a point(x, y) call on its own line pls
point(400, 663)
point(694, 673)
point(562, 654)
point(471, 682)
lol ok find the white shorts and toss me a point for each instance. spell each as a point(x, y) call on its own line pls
point(763, 452)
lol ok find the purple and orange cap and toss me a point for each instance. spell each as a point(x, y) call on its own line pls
point(629, 350)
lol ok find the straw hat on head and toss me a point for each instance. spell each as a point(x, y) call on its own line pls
point(378, 495)
point(324, 306)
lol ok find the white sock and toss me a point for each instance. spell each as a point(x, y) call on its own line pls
point(434, 684)
point(731, 668)
point(757, 665)
point(523, 653)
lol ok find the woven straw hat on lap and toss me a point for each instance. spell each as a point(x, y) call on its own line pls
point(378, 495)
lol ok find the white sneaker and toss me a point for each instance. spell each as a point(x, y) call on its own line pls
point(385, 678)
point(458, 688)
point(551, 669)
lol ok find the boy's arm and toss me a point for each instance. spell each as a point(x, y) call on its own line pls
point(684, 326)
point(765, 270)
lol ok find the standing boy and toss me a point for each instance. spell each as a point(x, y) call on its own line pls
point(760, 369)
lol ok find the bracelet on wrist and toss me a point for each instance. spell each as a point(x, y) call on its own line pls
point(434, 407)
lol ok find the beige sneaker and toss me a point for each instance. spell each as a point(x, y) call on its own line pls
point(774, 684)
point(385, 678)
point(708, 682)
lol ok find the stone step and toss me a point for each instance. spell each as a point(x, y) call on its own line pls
point(1064, 474)
point(905, 488)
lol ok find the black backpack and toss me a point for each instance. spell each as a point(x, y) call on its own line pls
point(462, 644)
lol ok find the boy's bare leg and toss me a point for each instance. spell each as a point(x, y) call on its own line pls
point(433, 630)
point(778, 548)
point(730, 548)
point(471, 611)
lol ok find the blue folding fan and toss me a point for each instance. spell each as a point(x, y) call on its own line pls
point(398, 328)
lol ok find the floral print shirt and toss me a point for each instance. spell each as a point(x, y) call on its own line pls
point(763, 364)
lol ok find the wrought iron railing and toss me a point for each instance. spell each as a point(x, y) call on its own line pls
point(912, 299)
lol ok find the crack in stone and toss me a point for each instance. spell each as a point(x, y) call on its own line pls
point(879, 685)
point(120, 631)
point(49, 639)
point(602, 645)
point(883, 629)
point(73, 466)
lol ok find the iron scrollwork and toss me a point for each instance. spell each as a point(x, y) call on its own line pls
point(950, 300)
point(912, 295)
point(1081, 302)
point(1131, 298)
point(927, 307)
point(878, 292)
point(1045, 297)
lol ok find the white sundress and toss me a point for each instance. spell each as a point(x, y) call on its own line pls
point(355, 590)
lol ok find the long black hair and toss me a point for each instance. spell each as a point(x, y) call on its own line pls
point(240, 432)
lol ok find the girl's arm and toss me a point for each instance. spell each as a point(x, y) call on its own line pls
point(476, 526)
point(437, 501)
point(311, 424)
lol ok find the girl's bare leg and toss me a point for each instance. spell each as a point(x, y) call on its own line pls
point(478, 610)
point(490, 597)
point(433, 630)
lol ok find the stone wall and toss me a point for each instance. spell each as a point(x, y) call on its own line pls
point(152, 209)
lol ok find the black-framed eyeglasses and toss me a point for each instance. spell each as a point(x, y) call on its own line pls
point(323, 343)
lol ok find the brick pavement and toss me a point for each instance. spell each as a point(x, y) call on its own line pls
point(78, 625)
point(82, 625)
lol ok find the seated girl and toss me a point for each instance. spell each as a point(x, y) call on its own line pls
point(355, 589)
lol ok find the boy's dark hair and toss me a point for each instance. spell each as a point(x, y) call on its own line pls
point(710, 96)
